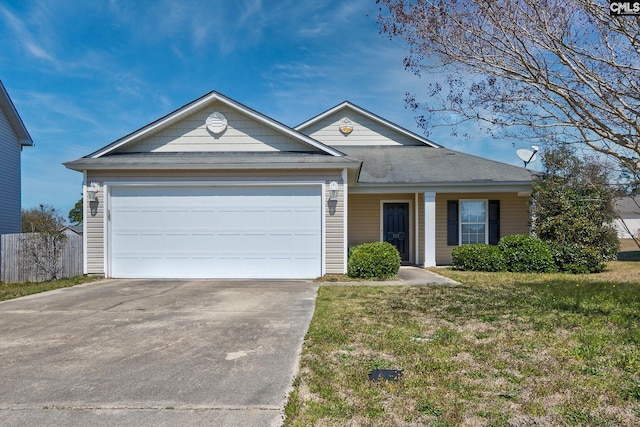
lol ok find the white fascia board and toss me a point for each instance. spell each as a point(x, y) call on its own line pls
point(6, 104)
point(205, 166)
point(195, 105)
point(321, 116)
point(463, 188)
point(369, 115)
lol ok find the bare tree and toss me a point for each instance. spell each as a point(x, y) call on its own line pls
point(42, 251)
point(44, 241)
point(555, 71)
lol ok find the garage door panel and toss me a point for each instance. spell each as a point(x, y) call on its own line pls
point(281, 243)
point(130, 265)
point(176, 218)
point(195, 243)
point(301, 218)
point(227, 216)
point(138, 219)
point(137, 243)
point(244, 232)
point(200, 242)
point(253, 243)
point(253, 218)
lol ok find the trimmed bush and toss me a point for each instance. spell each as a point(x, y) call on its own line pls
point(478, 257)
point(373, 260)
point(576, 259)
point(525, 253)
point(608, 244)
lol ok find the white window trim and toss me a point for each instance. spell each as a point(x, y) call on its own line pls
point(486, 219)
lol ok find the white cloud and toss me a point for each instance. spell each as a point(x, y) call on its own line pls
point(26, 38)
point(194, 25)
point(42, 104)
point(250, 10)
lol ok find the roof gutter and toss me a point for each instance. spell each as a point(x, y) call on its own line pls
point(86, 166)
point(445, 187)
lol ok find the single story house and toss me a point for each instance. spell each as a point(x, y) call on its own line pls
point(216, 189)
point(628, 223)
point(13, 136)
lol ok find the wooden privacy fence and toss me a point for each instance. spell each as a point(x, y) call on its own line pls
point(17, 263)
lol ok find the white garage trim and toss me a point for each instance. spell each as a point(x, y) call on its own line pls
point(345, 228)
point(108, 188)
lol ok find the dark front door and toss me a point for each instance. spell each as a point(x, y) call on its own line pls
point(396, 227)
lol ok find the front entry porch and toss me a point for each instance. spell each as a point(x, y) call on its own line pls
point(398, 219)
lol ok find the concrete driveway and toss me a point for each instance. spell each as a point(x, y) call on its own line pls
point(142, 352)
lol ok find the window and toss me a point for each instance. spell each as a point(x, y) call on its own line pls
point(491, 221)
point(473, 221)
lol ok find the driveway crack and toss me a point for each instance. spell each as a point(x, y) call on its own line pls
point(140, 298)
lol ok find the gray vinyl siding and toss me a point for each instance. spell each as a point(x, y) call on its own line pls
point(94, 219)
point(242, 134)
point(10, 217)
point(334, 231)
point(365, 131)
point(334, 215)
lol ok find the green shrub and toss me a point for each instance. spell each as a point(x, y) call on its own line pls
point(525, 253)
point(478, 257)
point(608, 244)
point(576, 259)
point(373, 260)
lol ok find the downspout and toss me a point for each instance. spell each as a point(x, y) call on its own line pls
point(416, 238)
point(345, 220)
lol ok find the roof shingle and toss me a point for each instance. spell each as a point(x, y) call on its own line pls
point(421, 165)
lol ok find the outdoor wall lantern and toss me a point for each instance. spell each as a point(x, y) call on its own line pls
point(92, 192)
point(333, 191)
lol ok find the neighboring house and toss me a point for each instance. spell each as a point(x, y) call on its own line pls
point(72, 230)
point(13, 136)
point(628, 208)
point(218, 190)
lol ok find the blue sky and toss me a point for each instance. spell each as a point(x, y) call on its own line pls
point(84, 73)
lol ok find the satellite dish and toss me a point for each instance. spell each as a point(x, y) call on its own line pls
point(527, 156)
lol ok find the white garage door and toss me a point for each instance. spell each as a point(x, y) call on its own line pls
point(216, 232)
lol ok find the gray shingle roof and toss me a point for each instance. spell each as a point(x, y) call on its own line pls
point(426, 165)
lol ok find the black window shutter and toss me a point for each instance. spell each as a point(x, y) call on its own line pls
point(494, 221)
point(452, 223)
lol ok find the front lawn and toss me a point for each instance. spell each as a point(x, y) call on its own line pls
point(499, 349)
point(16, 290)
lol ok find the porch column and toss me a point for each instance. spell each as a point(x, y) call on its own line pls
point(429, 229)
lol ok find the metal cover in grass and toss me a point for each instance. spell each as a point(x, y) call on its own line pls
point(385, 374)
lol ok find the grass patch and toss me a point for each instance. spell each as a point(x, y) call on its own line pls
point(16, 290)
point(499, 349)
